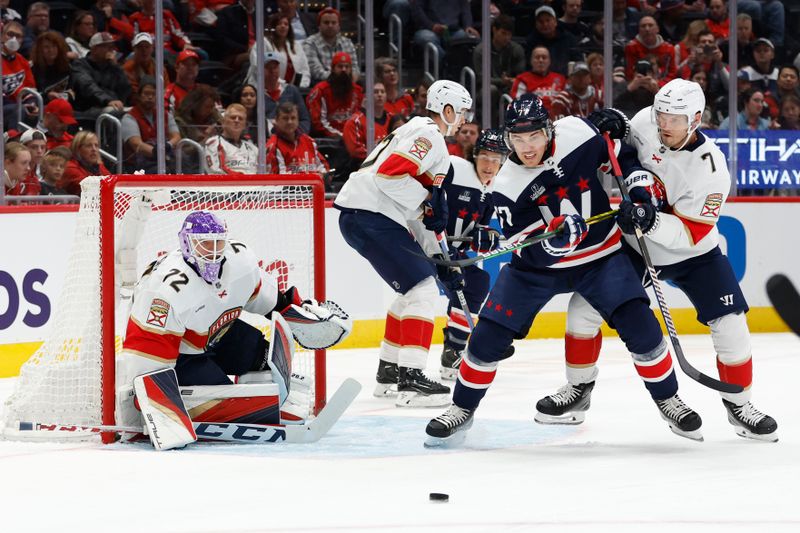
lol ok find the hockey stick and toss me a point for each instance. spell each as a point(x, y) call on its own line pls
point(232, 431)
point(687, 368)
point(517, 245)
point(783, 295)
point(462, 300)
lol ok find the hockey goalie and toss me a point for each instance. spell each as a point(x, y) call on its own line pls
point(184, 340)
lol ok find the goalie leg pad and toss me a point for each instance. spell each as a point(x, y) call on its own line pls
point(317, 326)
point(252, 403)
point(281, 351)
point(165, 416)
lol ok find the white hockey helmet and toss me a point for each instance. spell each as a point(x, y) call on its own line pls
point(680, 97)
point(445, 92)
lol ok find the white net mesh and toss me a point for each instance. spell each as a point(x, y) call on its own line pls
point(62, 382)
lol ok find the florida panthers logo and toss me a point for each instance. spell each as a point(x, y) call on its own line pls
point(222, 324)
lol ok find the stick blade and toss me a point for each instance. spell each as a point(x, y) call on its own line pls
point(330, 414)
point(785, 299)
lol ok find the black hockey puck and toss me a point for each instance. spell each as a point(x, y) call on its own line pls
point(439, 497)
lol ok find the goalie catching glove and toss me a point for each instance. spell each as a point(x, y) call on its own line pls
point(315, 325)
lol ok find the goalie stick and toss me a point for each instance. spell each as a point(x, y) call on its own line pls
point(477, 258)
point(231, 431)
point(687, 368)
point(783, 295)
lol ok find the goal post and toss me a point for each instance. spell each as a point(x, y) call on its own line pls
point(124, 223)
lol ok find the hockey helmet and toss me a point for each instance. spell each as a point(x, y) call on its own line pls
point(445, 92)
point(203, 237)
point(680, 97)
point(490, 140)
point(525, 114)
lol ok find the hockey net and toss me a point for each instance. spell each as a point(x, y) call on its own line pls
point(126, 222)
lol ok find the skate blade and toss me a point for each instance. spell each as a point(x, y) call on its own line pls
point(567, 419)
point(745, 434)
point(415, 399)
point(383, 390)
point(695, 435)
point(448, 374)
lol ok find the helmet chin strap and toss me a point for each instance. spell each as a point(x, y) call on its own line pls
point(451, 126)
point(689, 131)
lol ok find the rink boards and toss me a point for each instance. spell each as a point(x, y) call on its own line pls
point(757, 235)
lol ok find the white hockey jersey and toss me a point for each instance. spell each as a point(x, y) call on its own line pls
point(696, 181)
point(224, 157)
point(393, 179)
point(175, 311)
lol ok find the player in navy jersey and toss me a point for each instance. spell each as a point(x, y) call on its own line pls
point(680, 180)
point(551, 181)
point(469, 199)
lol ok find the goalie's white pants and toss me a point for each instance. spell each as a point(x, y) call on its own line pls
point(409, 326)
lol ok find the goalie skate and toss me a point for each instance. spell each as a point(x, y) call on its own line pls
point(751, 423)
point(681, 418)
point(386, 378)
point(415, 389)
point(449, 428)
point(567, 406)
point(451, 360)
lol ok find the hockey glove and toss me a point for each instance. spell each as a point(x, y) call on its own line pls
point(644, 188)
point(485, 239)
point(434, 215)
point(631, 216)
point(450, 278)
point(574, 231)
point(612, 121)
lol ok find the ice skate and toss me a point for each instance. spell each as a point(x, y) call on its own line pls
point(681, 418)
point(567, 406)
point(751, 423)
point(451, 360)
point(387, 380)
point(449, 428)
point(415, 389)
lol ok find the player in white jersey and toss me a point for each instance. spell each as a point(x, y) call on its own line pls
point(679, 182)
point(397, 190)
point(186, 308)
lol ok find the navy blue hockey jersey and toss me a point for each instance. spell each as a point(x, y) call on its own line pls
point(527, 199)
point(469, 202)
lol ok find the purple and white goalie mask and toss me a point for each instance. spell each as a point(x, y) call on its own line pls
point(203, 238)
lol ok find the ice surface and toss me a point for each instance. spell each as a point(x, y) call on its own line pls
point(622, 470)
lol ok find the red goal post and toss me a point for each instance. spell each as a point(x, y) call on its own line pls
point(124, 223)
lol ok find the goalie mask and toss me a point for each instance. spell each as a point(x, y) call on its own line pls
point(203, 238)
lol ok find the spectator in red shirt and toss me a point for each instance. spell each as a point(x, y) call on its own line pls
point(539, 80)
point(112, 20)
point(85, 162)
point(397, 102)
point(718, 21)
point(686, 49)
point(16, 72)
point(17, 164)
point(649, 42)
point(333, 101)
point(53, 165)
point(579, 98)
point(187, 67)
point(58, 116)
point(355, 129)
point(174, 38)
point(466, 136)
point(35, 142)
point(597, 68)
point(289, 150)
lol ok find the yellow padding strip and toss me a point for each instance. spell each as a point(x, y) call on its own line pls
point(368, 333)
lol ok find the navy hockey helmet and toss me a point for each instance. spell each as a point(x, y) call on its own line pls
point(527, 113)
point(491, 140)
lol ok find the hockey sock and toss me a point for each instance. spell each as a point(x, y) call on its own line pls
point(474, 379)
point(416, 334)
point(657, 372)
point(392, 338)
point(457, 330)
point(740, 374)
point(582, 353)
